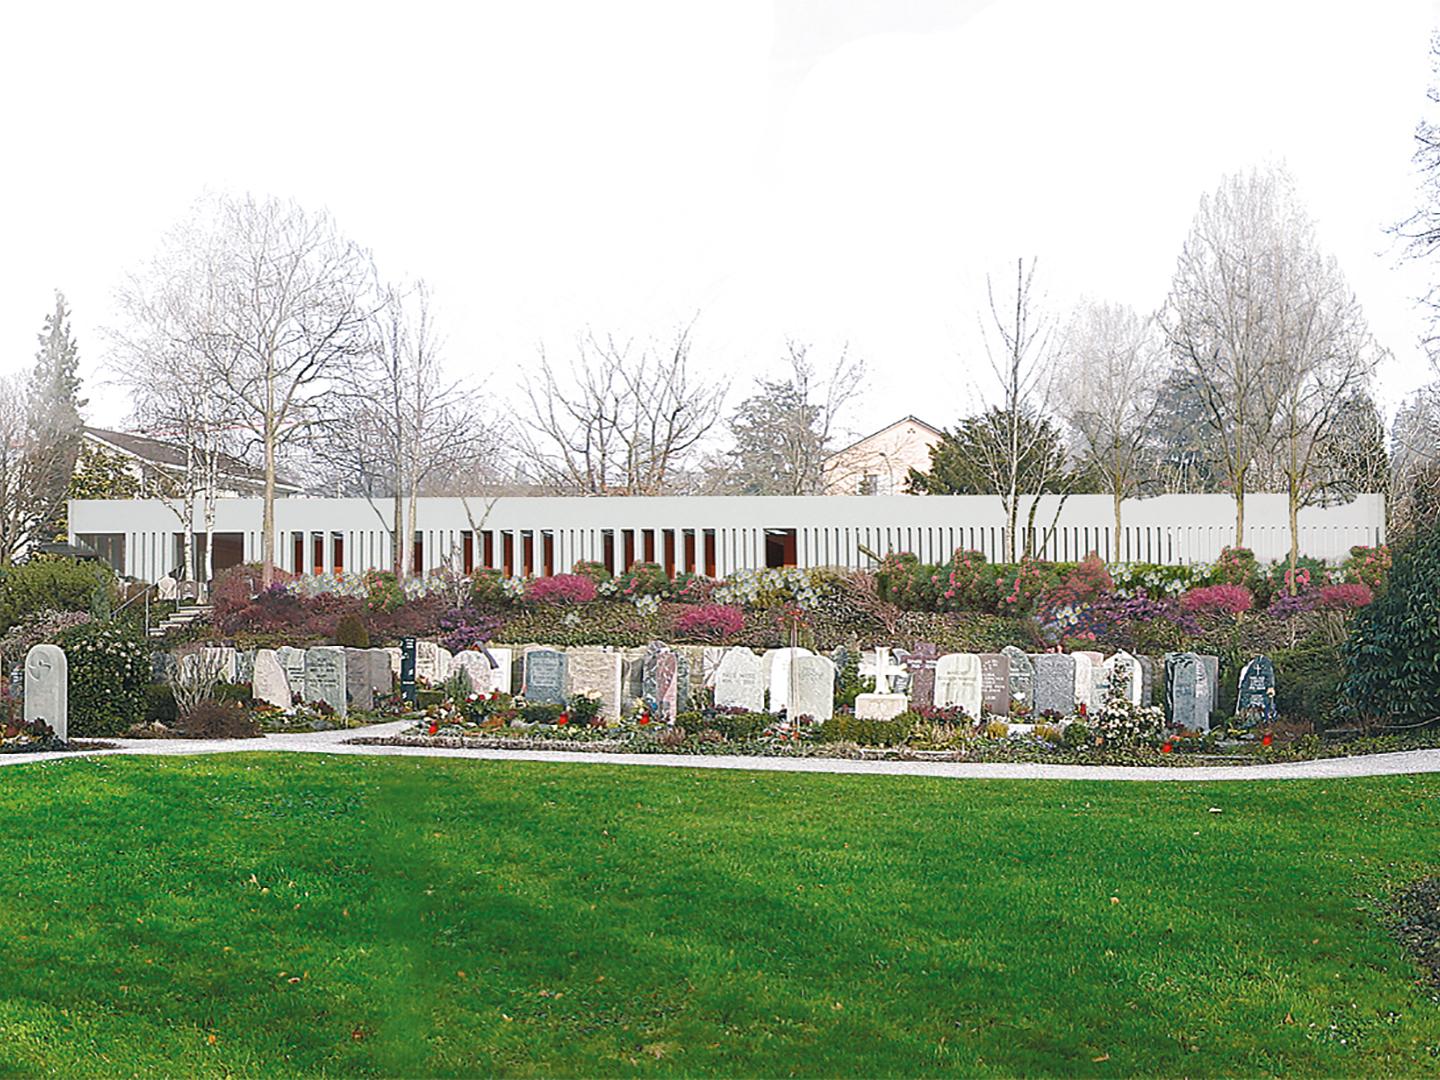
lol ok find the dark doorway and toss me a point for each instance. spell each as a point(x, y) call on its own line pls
point(779, 547)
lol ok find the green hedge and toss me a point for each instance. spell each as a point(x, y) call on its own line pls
point(109, 679)
point(55, 585)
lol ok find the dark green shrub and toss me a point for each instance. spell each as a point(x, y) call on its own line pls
point(55, 585)
point(350, 632)
point(234, 694)
point(583, 709)
point(1393, 653)
point(1307, 680)
point(736, 726)
point(160, 704)
point(425, 698)
point(220, 720)
point(843, 727)
point(541, 714)
point(848, 684)
point(1077, 736)
point(597, 572)
point(109, 675)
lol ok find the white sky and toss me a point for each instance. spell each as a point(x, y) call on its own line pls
point(829, 170)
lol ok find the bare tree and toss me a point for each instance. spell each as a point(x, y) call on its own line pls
point(1018, 344)
point(1112, 367)
point(623, 421)
point(279, 304)
point(1230, 308)
point(783, 431)
point(1420, 232)
point(401, 428)
point(27, 468)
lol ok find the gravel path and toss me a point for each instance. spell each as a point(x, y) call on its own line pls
point(333, 742)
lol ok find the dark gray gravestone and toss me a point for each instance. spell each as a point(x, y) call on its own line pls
point(632, 678)
point(382, 676)
point(408, 651)
point(1054, 685)
point(544, 677)
point(1255, 698)
point(995, 683)
point(682, 683)
point(1147, 679)
point(1184, 689)
point(358, 684)
point(245, 666)
point(1022, 677)
point(920, 666)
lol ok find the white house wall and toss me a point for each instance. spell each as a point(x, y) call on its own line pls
point(829, 530)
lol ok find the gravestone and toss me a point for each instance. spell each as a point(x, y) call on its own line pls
point(444, 664)
point(47, 689)
point(900, 678)
point(395, 656)
point(268, 682)
point(1255, 696)
point(1185, 690)
point(382, 678)
point(661, 675)
point(1121, 680)
point(358, 691)
point(409, 661)
point(1054, 685)
point(162, 666)
point(293, 661)
point(427, 663)
point(881, 704)
point(1022, 678)
point(995, 684)
point(544, 677)
point(777, 675)
point(1147, 679)
point(875, 663)
point(711, 657)
point(1210, 689)
point(1096, 658)
point(959, 683)
point(682, 682)
point(167, 588)
point(325, 677)
point(632, 676)
point(245, 666)
point(920, 666)
point(475, 668)
point(596, 673)
point(814, 688)
point(1084, 680)
point(739, 681)
point(500, 677)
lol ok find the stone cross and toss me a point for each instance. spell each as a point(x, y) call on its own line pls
point(883, 670)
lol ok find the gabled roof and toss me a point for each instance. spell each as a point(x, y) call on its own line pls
point(904, 419)
point(172, 456)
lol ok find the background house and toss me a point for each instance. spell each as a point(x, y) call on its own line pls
point(879, 463)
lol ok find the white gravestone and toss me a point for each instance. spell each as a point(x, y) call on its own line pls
point(325, 677)
point(958, 683)
point(427, 662)
point(882, 704)
point(476, 670)
point(1084, 681)
point(268, 683)
point(777, 669)
point(47, 689)
point(814, 688)
point(293, 661)
point(596, 673)
point(740, 681)
point(1122, 678)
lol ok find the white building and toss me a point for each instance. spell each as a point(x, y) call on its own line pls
point(712, 535)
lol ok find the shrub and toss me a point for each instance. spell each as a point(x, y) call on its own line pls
point(692, 588)
point(37, 628)
point(1307, 679)
point(1158, 580)
point(1049, 733)
point(55, 585)
point(1122, 721)
point(109, 673)
point(997, 729)
point(1344, 597)
point(1218, 599)
point(383, 591)
point(1309, 574)
point(1236, 566)
point(1368, 566)
point(642, 579)
point(964, 583)
point(487, 586)
point(710, 622)
point(1086, 582)
point(1019, 586)
point(561, 589)
point(739, 726)
point(220, 720)
point(584, 710)
point(597, 572)
point(1394, 648)
point(465, 628)
point(1076, 735)
point(350, 632)
point(541, 714)
point(843, 727)
point(160, 704)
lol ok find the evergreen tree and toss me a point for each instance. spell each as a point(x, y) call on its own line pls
point(963, 461)
point(53, 418)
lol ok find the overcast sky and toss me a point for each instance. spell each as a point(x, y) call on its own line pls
point(832, 170)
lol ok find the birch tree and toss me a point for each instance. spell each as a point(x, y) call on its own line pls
point(1111, 366)
point(1226, 316)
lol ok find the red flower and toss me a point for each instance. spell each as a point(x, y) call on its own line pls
point(1267, 740)
point(644, 719)
point(1084, 709)
point(1166, 748)
point(562, 719)
point(434, 728)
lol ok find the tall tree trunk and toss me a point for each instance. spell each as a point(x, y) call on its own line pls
point(1116, 552)
point(1240, 510)
point(267, 519)
point(1294, 534)
point(398, 531)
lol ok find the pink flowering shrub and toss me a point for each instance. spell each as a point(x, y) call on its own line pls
point(713, 622)
point(1345, 597)
point(1367, 566)
point(1218, 599)
point(561, 589)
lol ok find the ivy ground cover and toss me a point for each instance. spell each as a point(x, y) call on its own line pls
point(295, 915)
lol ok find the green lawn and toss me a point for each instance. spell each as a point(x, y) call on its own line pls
point(258, 914)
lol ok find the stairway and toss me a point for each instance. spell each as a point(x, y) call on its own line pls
point(185, 615)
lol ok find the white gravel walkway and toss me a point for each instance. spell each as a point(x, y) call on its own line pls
point(333, 742)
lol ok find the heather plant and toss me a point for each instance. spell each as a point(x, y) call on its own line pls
point(1344, 597)
point(710, 622)
point(561, 589)
point(1218, 600)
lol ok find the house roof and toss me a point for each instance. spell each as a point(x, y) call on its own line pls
point(172, 456)
point(904, 419)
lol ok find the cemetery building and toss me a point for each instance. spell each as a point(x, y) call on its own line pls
point(710, 535)
point(879, 463)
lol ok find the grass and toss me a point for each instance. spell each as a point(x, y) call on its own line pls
point(260, 914)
